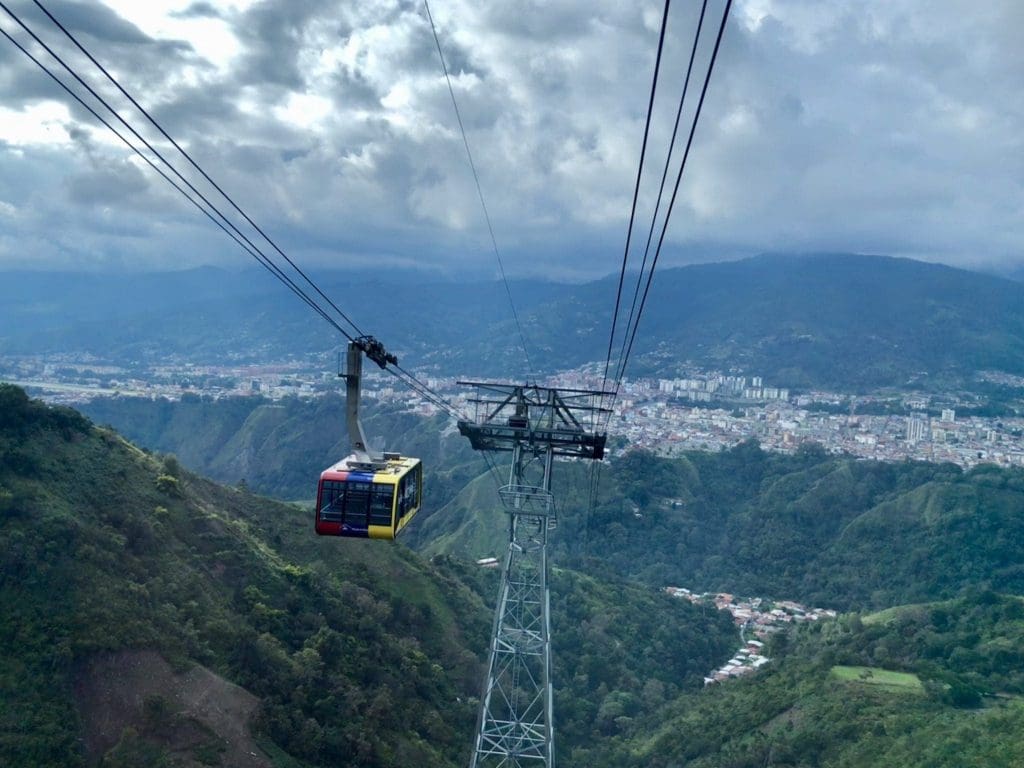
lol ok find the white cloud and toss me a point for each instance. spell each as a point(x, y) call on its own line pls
point(890, 127)
point(41, 123)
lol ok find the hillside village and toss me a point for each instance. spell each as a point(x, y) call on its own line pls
point(754, 616)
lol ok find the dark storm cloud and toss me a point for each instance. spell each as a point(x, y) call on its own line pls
point(107, 185)
point(351, 89)
point(97, 21)
point(143, 63)
point(103, 28)
point(900, 139)
point(203, 109)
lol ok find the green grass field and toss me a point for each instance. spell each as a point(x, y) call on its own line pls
point(903, 682)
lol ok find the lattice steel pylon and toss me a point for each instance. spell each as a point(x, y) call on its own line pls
point(515, 726)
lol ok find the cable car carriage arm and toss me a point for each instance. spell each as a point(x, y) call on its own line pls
point(366, 496)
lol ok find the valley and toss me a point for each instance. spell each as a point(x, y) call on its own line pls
point(894, 501)
point(709, 410)
point(743, 520)
point(762, 509)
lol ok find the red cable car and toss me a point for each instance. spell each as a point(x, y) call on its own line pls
point(369, 500)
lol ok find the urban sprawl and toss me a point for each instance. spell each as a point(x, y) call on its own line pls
point(704, 411)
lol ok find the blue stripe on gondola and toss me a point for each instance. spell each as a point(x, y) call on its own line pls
point(363, 477)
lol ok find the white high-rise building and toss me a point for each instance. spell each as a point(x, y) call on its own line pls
point(917, 429)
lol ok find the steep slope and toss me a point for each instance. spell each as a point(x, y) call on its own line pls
point(923, 686)
point(831, 531)
point(355, 653)
point(147, 613)
point(471, 526)
point(280, 448)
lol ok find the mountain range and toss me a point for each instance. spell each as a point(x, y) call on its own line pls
point(822, 320)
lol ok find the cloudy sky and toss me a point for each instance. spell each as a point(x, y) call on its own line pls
point(891, 127)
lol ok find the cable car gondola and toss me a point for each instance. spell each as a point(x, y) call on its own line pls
point(364, 496)
point(369, 500)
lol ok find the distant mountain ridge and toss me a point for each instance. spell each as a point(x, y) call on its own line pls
point(831, 320)
point(803, 321)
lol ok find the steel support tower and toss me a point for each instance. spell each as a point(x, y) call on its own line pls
point(515, 726)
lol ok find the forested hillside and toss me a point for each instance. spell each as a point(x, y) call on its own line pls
point(924, 686)
point(279, 448)
point(832, 531)
point(153, 617)
point(844, 321)
point(829, 530)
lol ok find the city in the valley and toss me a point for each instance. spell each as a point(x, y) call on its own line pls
point(704, 410)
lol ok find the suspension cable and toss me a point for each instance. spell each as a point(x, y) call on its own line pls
point(418, 386)
point(195, 165)
point(675, 190)
point(495, 473)
point(664, 176)
point(636, 190)
point(235, 234)
point(224, 224)
point(259, 257)
point(479, 189)
point(624, 358)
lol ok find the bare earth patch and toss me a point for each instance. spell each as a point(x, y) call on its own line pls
point(195, 711)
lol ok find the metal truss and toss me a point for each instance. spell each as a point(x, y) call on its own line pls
point(515, 727)
point(564, 420)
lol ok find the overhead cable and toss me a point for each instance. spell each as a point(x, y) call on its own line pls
point(424, 390)
point(259, 257)
point(224, 223)
point(624, 359)
point(636, 190)
point(479, 189)
point(664, 176)
point(675, 190)
point(225, 195)
point(236, 234)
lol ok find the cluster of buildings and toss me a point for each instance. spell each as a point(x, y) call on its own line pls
point(70, 379)
point(754, 616)
point(669, 428)
point(702, 411)
point(708, 387)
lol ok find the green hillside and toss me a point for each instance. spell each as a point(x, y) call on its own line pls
point(153, 617)
point(351, 650)
point(280, 448)
point(129, 585)
point(819, 320)
point(471, 526)
point(831, 531)
point(929, 686)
